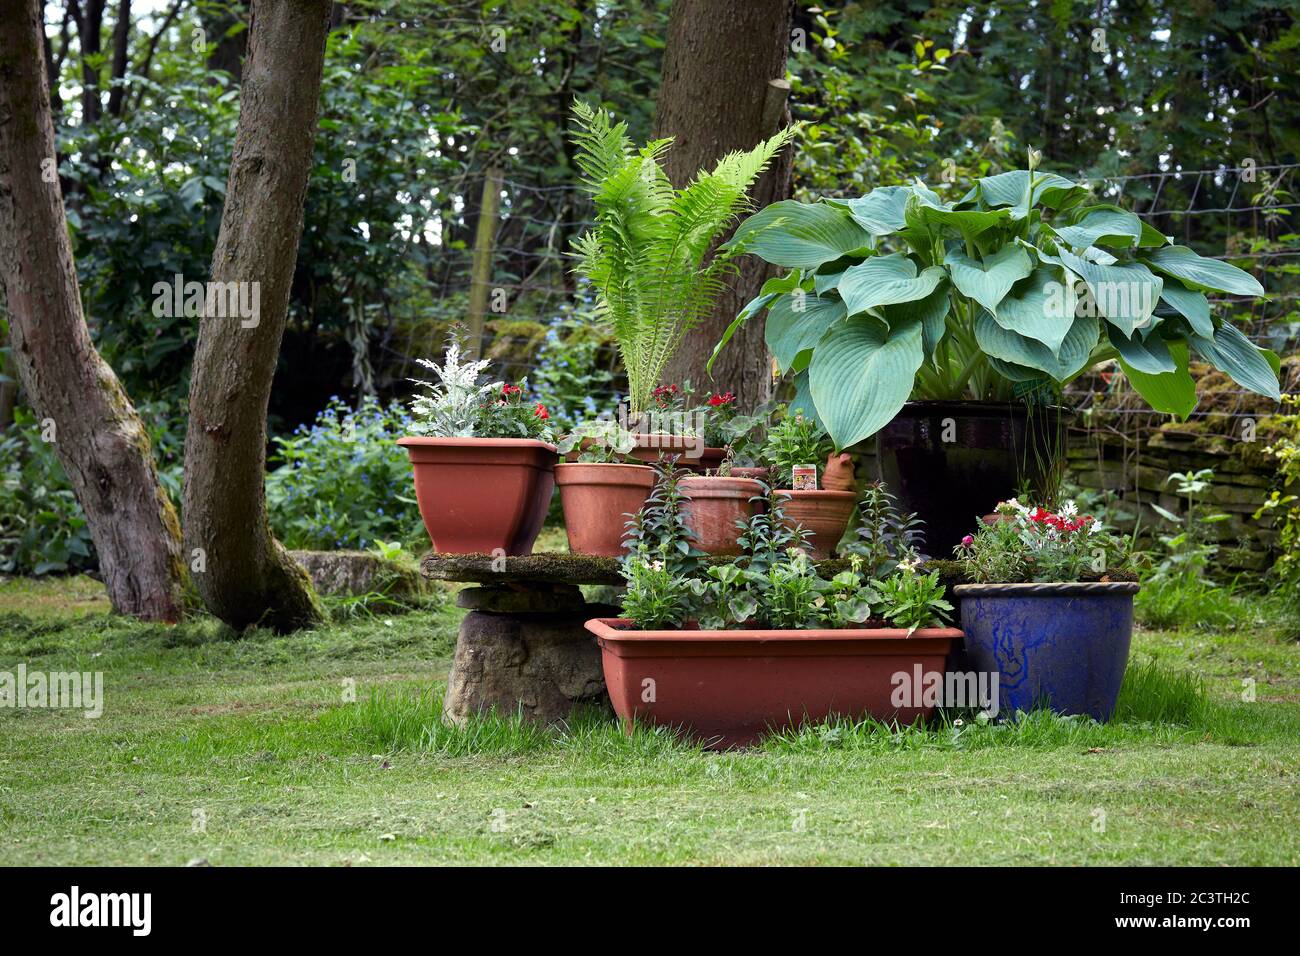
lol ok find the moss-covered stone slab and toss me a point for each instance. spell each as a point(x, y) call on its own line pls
point(547, 568)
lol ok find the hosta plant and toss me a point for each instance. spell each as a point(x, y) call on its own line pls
point(649, 256)
point(1018, 287)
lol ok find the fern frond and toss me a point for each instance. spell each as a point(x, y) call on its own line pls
point(646, 255)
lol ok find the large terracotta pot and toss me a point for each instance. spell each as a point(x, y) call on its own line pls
point(825, 513)
point(482, 495)
point(951, 462)
point(715, 509)
point(598, 500)
point(727, 688)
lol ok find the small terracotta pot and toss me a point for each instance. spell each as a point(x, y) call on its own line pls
point(599, 499)
point(716, 508)
point(838, 474)
point(759, 474)
point(649, 447)
point(482, 495)
point(728, 688)
point(825, 513)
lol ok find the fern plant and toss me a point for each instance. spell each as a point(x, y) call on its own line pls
point(646, 255)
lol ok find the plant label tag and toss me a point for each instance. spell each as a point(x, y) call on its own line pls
point(804, 478)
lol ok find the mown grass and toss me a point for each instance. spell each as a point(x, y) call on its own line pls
point(328, 747)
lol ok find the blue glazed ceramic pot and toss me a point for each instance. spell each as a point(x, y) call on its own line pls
point(1063, 646)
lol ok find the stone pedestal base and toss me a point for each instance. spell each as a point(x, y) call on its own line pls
point(544, 665)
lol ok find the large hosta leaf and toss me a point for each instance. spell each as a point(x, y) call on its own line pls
point(1182, 263)
point(1193, 306)
point(800, 235)
point(796, 322)
point(861, 374)
point(1125, 293)
point(1105, 226)
point(1018, 350)
point(886, 280)
point(1040, 307)
point(1241, 360)
point(989, 281)
point(1150, 355)
point(772, 288)
point(932, 312)
point(1171, 392)
point(879, 212)
point(1008, 189)
point(925, 211)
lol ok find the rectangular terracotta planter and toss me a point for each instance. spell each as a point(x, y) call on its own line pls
point(729, 688)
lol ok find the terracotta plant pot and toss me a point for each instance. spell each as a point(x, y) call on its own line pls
point(728, 688)
point(825, 513)
point(650, 447)
point(716, 507)
point(482, 495)
point(598, 501)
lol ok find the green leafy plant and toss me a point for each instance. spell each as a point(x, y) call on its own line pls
point(1283, 503)
point(1016, 288)
point(656, 596)
point(659, 532)
point(796, 440)
point(646, 256)
point(885, 535)
point(1177, 589)
point(457, 406)
point(914, 600)
point(342, 482)
point(42, 528)
point(1035, 544)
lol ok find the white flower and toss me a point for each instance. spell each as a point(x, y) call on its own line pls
point(1069, 509)
point(908, 566)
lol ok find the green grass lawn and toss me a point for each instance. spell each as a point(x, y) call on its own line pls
point(247, 751)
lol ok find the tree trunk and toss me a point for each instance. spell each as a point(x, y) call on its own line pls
point(246, 577)
point(228, 54)
point(121, 44)
point(96, 432)
point(724, 89)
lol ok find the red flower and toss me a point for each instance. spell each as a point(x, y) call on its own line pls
point(541, 412)
point(508, 390)
point(726, 398)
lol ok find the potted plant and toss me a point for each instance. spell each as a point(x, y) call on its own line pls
point(600, 490)
point(650, 256)
point(822, 501)
point(483, 460)
point(1051, 609)
point(731, 651)
point(716, 507)
point(978, 312)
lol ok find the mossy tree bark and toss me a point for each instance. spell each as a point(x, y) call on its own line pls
point(96, 432)
point(247, 577)
point(723, 89)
